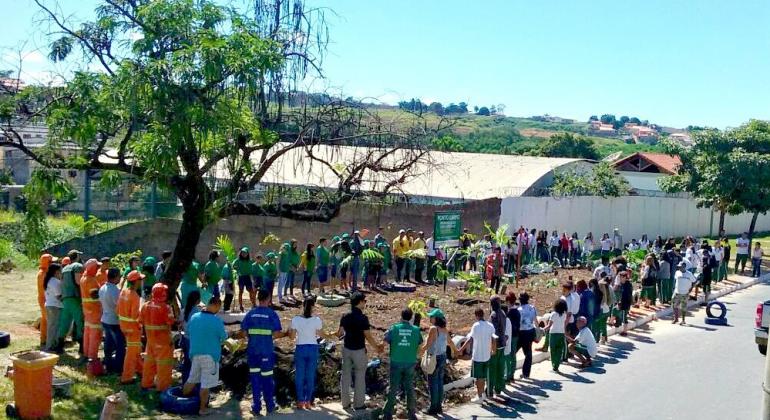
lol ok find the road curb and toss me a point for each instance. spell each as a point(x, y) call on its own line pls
point(538, 357)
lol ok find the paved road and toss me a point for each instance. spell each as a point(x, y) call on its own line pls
point(661, 371)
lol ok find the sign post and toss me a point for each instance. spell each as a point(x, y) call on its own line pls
point(447, 228)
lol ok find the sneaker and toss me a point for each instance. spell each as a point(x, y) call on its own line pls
point(478, 400)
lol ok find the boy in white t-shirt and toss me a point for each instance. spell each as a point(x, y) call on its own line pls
point(741, 252)
point(482, 339)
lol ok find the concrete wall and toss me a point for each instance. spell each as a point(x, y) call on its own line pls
point(634, 216)
point(153, 236)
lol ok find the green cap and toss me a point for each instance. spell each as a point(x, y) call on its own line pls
point(270, 255)
point(149, 261)
point(345, 236)
point(436, 313)
point(336, 239)
point(245, 249)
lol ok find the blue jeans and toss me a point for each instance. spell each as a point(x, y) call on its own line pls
point(436, 384)
point(114, 347)
point(307, 276)
point(186, 360)
point(756, 264)
point(306, 364)
point(355, 271)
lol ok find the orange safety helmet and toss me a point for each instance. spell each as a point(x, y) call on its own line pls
point(65, 261)
point(91, 267)
point(134, 276)
point(159, 293)
point(45, 261)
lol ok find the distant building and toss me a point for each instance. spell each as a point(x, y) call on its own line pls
point(8, 84)
point(642, 170)
point(553, 119)
point(682, 138)
point(644, 135)
point(598, 128)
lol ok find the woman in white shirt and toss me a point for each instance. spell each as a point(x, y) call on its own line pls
point(553, 245)
point(588, 246)
point(306, 329)
point(606, 244)
point(557, 320)
point(756, 259)
point(53, 305)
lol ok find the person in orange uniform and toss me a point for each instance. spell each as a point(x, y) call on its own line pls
point(45, 261)
point(157, 318)
point(128, 316)
point(92, 313)
point(101, 276)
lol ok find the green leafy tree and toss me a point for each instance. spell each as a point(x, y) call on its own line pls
point(436, 108)
point(568, 145)
point(728, 170)
point(187, 90)
point(601, 181)
point(483, 111)
point(593, 118)
point(45, 189)
point(607, 119)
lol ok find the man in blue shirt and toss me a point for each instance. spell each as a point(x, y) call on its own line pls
point(207, 333)
point(262, 326)
point(114, 341)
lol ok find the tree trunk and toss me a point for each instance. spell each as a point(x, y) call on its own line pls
point(193, 222)
point(721, 222)
point(752, 226)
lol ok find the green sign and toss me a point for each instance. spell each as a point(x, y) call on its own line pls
point(447, 228)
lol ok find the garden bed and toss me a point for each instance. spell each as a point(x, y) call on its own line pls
point(384, 309)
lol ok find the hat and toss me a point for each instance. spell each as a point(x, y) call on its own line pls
point(91, 263)
point(105, 259)
point(149, 261)
point(681, 264)
point(74, 251)
point(270, 255)
point(66, 261)
point(356, 232)
point(134, 276)
point(46, 260)
point(400, 231)
point(336, 239)
point(245, 249)
point(436, 313)
point(345, 236)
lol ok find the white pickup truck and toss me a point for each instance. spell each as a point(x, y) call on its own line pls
point(761, 323)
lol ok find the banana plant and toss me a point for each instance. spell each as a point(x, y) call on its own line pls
point(500, 235)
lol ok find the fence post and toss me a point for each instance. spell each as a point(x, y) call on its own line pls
point(87, 196)
point(154, 200)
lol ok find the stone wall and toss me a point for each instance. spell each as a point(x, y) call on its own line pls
point(153, 236)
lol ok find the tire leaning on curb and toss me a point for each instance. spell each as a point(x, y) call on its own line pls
point(172, 401)
point(5, 339)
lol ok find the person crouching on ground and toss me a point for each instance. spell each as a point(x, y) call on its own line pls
point(404, 340)
point(207, 333)
point(583, 346)
point(482, 341)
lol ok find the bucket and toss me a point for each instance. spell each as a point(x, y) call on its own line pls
point(32, 383)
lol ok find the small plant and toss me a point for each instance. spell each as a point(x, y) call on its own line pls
point(474, 284)
point(415, 253)
point(551, 283)
point(442, 273)
point(224, 245)
point(270, 240)
point(500, 235)
point(120, 261)
point(418, 306)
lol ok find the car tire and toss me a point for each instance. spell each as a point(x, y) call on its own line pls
point(762, 349)
point(716, 321)
point(403, 287)
point(172, 401)
point(5, 339)
point(720, 305)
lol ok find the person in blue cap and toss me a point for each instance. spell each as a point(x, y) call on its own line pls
point(261, 325)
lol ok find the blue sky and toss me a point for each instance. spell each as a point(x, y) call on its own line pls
point(674, 62)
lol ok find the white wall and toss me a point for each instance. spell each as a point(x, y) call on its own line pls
point(642, 180)
point(632, 215)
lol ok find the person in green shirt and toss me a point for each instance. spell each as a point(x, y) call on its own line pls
point(404, 340)
point(72, 312)
point(384, 249)
point(133, 264)
point(284, 267)
point(190, 280)
point(242, 268)
point(257, 273)
point(294, 265)
point(148, 269)
point(270, 271)
point(334, 261)
point(322, 259)
point(212, 273)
